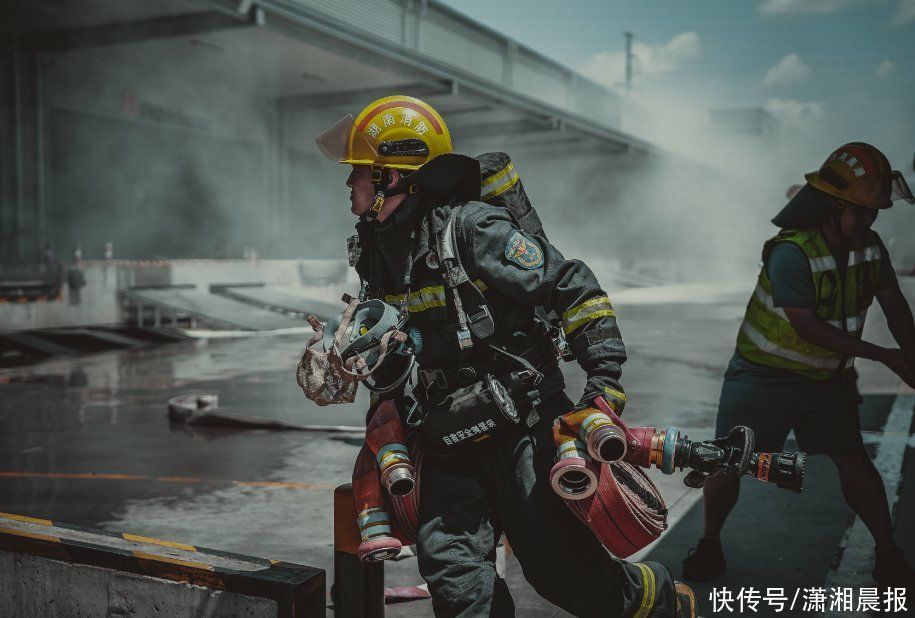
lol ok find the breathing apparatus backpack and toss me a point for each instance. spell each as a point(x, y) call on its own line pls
point(490, 178)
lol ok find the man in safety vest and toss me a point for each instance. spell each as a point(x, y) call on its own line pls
point(793, 367)
point(500, 483)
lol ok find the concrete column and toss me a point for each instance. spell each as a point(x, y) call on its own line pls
point(508, 64)
point(21, 165)
point(8, 203)
point(422, 11)
point(407, 9)
point(572, 93)
point(278, 224)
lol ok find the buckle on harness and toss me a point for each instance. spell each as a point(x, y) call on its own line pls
point(464, 340)
point(531, 377)
point(432, 377)
point(482, 323)
point(414, 416)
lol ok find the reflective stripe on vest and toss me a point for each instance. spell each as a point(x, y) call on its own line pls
point(776, 350)
point(852, 324)
point(766, 336)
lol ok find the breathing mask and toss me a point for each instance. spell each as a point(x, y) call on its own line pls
point(365, 343)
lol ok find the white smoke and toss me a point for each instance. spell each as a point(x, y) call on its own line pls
point(905, 13)
point(885, 68)
point(609, 68)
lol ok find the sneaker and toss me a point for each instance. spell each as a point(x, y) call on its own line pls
point(704, 562)
point(686, 601)
point(892, 569)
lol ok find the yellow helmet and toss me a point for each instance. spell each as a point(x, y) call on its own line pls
point(398, 132)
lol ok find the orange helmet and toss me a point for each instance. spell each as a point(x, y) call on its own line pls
point(861, 174)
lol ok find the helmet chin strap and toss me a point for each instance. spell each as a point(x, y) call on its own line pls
point(381, 178)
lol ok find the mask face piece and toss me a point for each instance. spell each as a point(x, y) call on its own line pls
point(371, 321)
point(322, 373)
point(350, 348)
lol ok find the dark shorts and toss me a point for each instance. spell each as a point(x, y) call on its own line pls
point(823, 415)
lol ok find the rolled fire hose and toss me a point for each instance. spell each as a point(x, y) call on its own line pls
point(614, 498)
point(626, 513)
point(386, 486)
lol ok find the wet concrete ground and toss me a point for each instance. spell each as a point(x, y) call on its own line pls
point(86, 441)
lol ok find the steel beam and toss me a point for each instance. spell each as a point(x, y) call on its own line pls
point(359, 97)
point(450, 114)
point(299, 21)
point(164, 27)
point(498, 129)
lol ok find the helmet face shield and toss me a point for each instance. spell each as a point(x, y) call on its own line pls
point(900, 188)
point(334, 143)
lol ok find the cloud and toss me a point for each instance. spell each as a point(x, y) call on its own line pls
point(801, 7)
point(684, 46)
point(609, 68)
point(788, 70)
point(792, 110)
point(885, 68)
point(905, 13)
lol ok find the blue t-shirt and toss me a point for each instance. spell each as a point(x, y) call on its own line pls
point(792, 281)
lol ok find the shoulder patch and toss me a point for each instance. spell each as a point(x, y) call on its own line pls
point(523, 251)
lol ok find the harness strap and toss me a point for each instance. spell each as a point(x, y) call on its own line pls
point(478, 320)
point(381, 178)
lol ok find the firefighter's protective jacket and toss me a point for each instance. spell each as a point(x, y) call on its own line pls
point(516, 271)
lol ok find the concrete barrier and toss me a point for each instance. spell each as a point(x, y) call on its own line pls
point(98, 303)
point(54, 569)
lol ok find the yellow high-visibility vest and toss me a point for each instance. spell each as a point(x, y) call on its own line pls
point(766, 336)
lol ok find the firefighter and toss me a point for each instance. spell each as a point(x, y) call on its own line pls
point(793, 367)
point(482, 321)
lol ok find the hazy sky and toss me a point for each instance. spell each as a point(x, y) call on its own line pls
point(825, 60)
point(830, 71)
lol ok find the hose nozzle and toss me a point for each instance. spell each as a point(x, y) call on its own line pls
point(786, 470)
point(669, 450)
